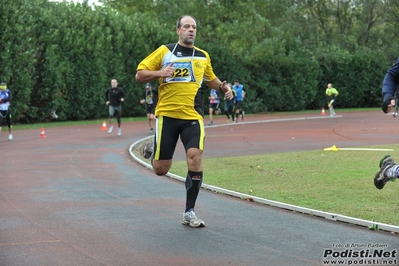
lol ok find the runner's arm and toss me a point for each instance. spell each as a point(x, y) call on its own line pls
point(389, 86)
point(145, 75)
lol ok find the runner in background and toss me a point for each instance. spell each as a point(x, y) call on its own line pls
point(239, 88)
point(214, 102)
point(332, 94)
point(114, 97)
point(150, 97)
point(5, 101)
point(229, 105)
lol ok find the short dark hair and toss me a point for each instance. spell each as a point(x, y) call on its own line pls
point(178, 23)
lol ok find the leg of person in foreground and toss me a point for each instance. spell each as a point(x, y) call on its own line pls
point(193, 185)
point(389, 171)
point(193, 180)
point(194, 164)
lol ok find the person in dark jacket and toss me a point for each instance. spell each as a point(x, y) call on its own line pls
point(389, 170)
point(114, 97)
point(389, 87)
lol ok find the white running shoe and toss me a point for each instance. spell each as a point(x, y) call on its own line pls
point(119, 131)
point(189, 218)
point(10, 137)
point(110, 129)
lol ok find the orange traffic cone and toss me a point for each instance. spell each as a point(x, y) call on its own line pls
point(42, 134)
point(104, 127)
point(323, 112)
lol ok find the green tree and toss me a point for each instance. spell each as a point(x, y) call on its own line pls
point(17, 52)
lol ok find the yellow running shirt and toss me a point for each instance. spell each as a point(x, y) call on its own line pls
point(180, 96)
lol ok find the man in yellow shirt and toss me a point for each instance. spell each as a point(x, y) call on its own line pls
point(180, 68)
point(332, 94)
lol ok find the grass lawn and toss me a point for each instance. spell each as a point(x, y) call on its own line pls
point(332, 181)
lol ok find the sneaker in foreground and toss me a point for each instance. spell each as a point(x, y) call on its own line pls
point(148, 149)
point(151, 131)
point(110, 129)
point(119, 131)
point(189, 218)
point(10, 137)
point(210, 123)
point(381, 178)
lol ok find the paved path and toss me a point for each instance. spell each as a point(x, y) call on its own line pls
point(77, 197)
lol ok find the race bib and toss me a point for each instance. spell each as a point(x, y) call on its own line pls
point(183, 73)
point(149, 99)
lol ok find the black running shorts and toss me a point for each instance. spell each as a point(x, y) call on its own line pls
point(168, 131)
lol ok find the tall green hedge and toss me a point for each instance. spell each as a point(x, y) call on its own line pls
point(61, 57)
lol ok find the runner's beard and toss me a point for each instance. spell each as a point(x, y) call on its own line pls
point(188, 41)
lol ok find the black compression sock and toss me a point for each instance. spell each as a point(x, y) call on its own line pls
point(193, 185)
